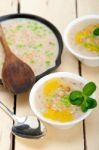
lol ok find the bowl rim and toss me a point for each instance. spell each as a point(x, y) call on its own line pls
point(68, 28)
point(46, 78)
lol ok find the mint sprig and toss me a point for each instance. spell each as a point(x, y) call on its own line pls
point(96, 32)
point(89, 88)
point(82, 98)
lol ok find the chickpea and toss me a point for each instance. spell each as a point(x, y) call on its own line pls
point(67, 89)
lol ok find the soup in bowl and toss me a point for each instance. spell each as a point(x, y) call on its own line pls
point(49, 99)
point(81, 37)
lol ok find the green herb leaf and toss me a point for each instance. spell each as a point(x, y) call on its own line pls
point(91, 102)
point(84, 107)
point(76, 98)
point(96, 32)
point(82, 99)
point(89, 88)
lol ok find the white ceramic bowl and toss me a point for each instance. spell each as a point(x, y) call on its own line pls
point(40, 83)
point(77, 25)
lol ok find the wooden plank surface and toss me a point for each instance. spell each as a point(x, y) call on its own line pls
point(6, 7)
point(58, 12)
point(87, 7)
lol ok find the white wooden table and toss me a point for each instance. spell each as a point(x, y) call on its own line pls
point(83, 136)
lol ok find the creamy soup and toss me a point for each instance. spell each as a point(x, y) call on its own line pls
point(31, 41)
point(84, 41)
point(52, 99)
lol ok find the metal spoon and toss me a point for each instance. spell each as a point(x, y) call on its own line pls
point(26, 127)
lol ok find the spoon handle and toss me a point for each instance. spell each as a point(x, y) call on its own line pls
point(4, 42)
point(8, 111)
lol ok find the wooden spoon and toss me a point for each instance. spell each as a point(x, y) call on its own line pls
point(17, 76)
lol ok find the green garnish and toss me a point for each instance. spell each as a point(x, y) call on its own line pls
point(32, 61)
point(65, 100)
point(82, 99)
point(89, 88)
point(76, 98)
point(20, 46)
point(48, 63)
point(38, 46)
point(90, 45)
point(48, 53)
point(96, 32)
point(19, 27)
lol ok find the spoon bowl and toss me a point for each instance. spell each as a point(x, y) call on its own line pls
point(31, 127)
point(26, 127)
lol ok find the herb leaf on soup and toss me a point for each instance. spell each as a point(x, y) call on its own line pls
point(82, 99)
point(84, 107)
point(89, 88)
point(91, 102)
point(76, 98)
point(96, 32)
